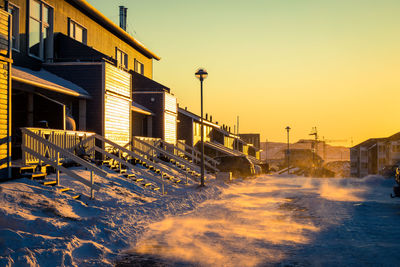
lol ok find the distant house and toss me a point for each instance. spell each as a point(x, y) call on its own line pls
point(375, 156)
point(218, 140)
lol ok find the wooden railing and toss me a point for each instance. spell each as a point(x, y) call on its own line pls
point(37, 147)
point(67, 140)
point(123, 154)
point(195, 155)
point(154, 151)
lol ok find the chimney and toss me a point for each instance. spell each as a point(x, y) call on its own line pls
point(206, 116)
point(210, 118)
point(122, 17)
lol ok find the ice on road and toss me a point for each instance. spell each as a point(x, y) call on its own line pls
point(282, 221)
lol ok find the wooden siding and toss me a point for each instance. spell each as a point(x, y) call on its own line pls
point(117, 107)
point(170, 118)
point(98, 37)
point(117, 126)
point(170, 128)
point(5, 96)
point(118, 81)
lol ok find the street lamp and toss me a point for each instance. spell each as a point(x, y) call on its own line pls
point(201, 74)
point(288, 151)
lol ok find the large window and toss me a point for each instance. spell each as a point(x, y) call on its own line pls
point(40, 30)
point(122, 58)
point(77, 32)
point(14, 11)
point(139, 67)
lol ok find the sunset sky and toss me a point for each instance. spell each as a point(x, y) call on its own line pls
point(302, 63)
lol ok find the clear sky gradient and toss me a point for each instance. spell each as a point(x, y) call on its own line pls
point(302, 63)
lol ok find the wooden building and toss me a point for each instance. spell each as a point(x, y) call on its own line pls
point(375, 156)
point(163, 106)
point(5, 95)
point(73, 67)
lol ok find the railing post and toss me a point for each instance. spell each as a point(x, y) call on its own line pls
point(91, 186)
point(57, 170)
point(162, 183)
point(120, 164)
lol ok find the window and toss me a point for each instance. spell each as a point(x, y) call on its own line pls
point(77, 32)
point(122, 58)
point(14, 11)
point(40, 42)
point(139, 67)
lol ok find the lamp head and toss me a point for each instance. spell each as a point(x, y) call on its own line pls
point(287, 128)
point(201, 74)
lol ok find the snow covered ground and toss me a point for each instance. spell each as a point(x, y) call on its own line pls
point(270, 220)
point(282, 221)
point(41, 226)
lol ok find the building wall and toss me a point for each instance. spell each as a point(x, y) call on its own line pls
point(89, 77)
point(185, 128)
point(98, 36)
point(154, 102)
point(253, 139)
point(5, 97)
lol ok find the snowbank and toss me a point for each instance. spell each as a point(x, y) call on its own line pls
point(41, 226)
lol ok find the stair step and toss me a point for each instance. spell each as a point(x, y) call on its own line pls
point(138, 180)
point(40, 176)
point(147, 184)
point(27, 168)
point(50, 183)
point(76, 197)
point(177, 181)
point(156, 188)
point(130, 175)
point(123, 171)
point(62, 190)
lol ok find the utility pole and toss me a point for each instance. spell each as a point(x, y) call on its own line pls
point(288, 151)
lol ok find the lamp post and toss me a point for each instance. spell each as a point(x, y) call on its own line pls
point(288, 151)
point(201, 74)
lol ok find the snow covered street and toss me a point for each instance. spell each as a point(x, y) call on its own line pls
point(282, 221)
point(266, 221)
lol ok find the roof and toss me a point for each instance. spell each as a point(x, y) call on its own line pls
point(141, 109)
point(223, 149)
point(197, 118)
point(47, 80)
point(100, 18)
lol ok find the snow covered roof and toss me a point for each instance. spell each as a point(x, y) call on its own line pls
point(141, 109)
point(47, 80)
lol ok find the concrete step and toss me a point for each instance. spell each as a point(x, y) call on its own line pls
point(147, 184)
point(130, 175)
point(138, 180)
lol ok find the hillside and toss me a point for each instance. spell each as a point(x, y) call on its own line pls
point(275, 150)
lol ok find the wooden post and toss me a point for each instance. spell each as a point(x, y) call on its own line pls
point(57, 170)
point(91, 186)
point(162, 183)
point(120, 164)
